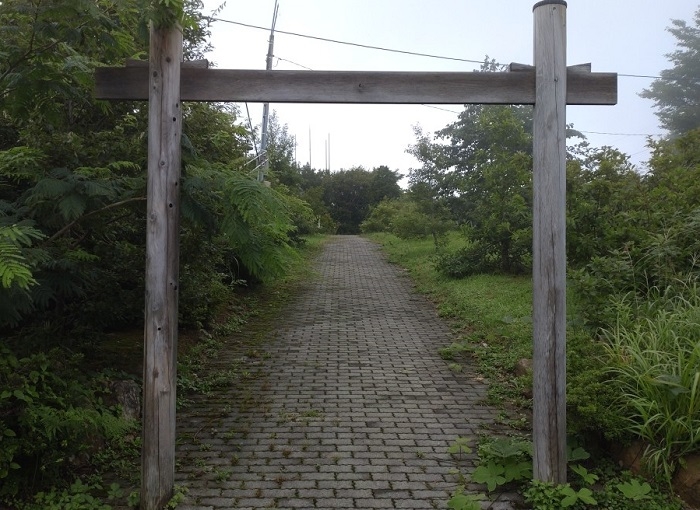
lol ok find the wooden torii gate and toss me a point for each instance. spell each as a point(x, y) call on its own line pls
point(548, 85)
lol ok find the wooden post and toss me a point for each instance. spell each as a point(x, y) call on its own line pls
point(549, 242)
point(162, 266)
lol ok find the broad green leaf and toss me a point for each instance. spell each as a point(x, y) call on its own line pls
point(490, 474)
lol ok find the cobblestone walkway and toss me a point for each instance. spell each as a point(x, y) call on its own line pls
point(353, 407)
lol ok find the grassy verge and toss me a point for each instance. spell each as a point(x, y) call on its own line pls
point(491, 316)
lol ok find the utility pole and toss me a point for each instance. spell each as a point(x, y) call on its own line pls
point(266, 107)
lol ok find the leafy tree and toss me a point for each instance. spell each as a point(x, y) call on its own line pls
point(346, 194)
point(483, 173)
point(603, 194)
point(280, 153)
point(384, 184)
point(349, 195)
point(74, 169)
point(634, 235)
point(677, 92)
point(429, 185)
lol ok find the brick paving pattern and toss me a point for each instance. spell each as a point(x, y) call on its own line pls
point(351, 408)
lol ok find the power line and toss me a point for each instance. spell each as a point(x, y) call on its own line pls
point(440, 108)
point(347, 43)
point(618, 134)
point(392, 50)
point(293, 63)
point(420, 55)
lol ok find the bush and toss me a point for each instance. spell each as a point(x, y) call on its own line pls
point(467, 261)
point(592, 399)
point(410, 223)
point(48, 419)
point(658, 260)
point(406, 219)
point(381, 217)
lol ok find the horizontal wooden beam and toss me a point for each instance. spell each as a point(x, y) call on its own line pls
point(255, 86)
point(202, 63)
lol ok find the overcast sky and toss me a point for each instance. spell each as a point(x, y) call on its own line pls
point(623, 36)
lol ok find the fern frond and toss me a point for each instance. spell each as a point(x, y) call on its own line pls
point(22, 163)
point(255, 202)
point(42, 295)
point(128, 167)
point(196, 212)
point(14, 268)
point(49, 188)
point(97, 188)
point(72, 206)
point(14, 304)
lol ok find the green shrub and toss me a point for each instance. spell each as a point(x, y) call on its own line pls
point(407, 219)
point(658, 260)
point(593, 407)
point(411, 223)
point(472, 259)
point(381, 217)
point(49, 419)
point(77, 497)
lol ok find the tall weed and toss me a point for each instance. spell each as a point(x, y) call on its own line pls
point(655, 358)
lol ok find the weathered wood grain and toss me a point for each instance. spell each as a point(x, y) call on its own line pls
point(200, 64)
point(162, 267)
point(130, 83)
point(549, 243)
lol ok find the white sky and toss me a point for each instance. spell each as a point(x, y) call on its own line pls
point(623, 36)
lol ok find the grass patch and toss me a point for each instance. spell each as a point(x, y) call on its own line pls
point(655, 358)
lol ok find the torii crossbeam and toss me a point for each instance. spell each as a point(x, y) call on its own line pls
point(548, 85)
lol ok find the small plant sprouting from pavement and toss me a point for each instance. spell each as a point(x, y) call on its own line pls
point(311, 413)
point(304, 416)
point(455, 367)
point(222, 474)
point(460, 446)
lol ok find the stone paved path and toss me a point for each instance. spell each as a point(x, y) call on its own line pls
point(353, 408)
